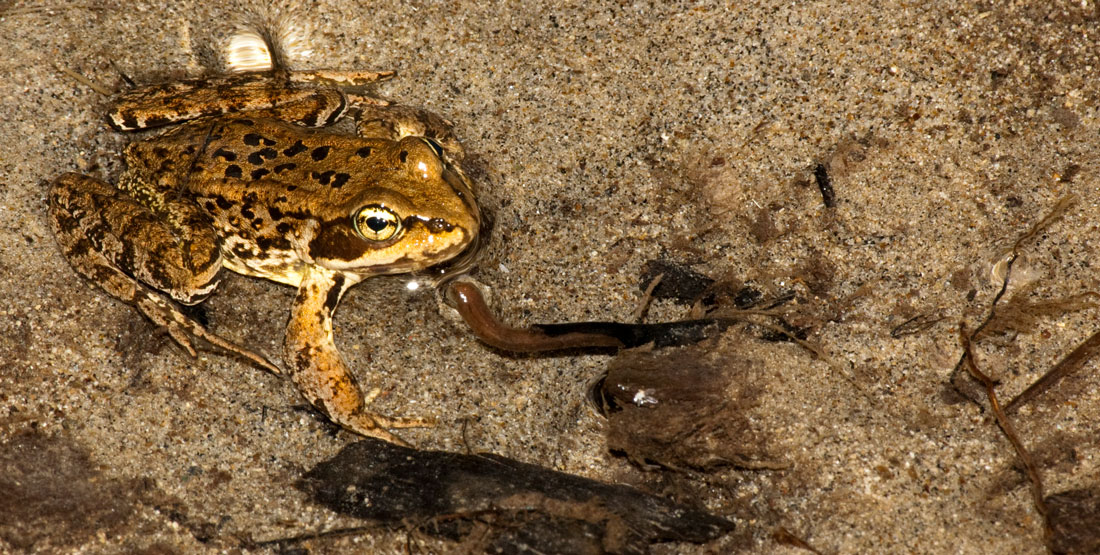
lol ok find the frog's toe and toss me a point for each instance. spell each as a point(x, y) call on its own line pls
point(366, 422)
point(377, 426)
point(399, 422)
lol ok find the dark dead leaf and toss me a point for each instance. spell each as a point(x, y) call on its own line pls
point(499, 505)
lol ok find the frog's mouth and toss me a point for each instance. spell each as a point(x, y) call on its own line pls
point(463, 189)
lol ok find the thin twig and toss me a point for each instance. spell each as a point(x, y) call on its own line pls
point(1008, 429)
point(647, 298)
point(783, 536)
point(333, 533)
point(84, 80)
point(1068, 365)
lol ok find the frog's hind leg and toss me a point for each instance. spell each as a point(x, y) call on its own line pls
point(310, 98)
point(317, 367)
point(122, 247)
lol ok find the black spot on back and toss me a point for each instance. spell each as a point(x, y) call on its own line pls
point(266, 243)
point(339, 179)
point(155, 121)
point(233, 171)
point(320, 153)
point(254, 139)
point(363, 152)
point(241, 251)
point(257, 158)
point(222, 203)
point(323, 178)
point(258, 173)
point(285, 167)
point(227, 155)
point(295, 149)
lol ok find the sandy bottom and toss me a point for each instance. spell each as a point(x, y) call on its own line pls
point(603, 137)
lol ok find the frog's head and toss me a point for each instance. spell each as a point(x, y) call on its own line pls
point(419, 211)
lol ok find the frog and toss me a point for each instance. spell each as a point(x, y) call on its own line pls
point(257, 174)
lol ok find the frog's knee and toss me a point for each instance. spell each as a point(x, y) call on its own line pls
point(397, 122)
point(73, 192)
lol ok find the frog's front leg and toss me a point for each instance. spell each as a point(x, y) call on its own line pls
point(317, 367)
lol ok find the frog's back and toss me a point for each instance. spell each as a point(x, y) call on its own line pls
point(317, 162)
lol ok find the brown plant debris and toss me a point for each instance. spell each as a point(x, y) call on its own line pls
point(678, 282)
point(959, 380)
point(498, 505)
point(821, 176)
point(1019, 313)
point(681, 409)
point(782, 536)
point(647, 299)
point(916, 324)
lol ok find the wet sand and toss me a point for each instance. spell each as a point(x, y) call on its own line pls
point(602, 137)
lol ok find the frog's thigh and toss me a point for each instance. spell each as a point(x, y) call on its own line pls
point(104, 233)
point(88, 223)
point(395, 122)
point(75, 208)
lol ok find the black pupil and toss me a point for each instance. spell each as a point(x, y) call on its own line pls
point(377, 224)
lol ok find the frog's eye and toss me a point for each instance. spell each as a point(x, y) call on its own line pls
point(436, 148)
point(377, 223)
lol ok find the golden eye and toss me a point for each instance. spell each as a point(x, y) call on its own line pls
point(377, 223)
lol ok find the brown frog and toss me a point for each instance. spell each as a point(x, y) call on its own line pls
point(251, 178)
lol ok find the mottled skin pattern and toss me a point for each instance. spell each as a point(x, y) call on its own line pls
point(242, 182)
